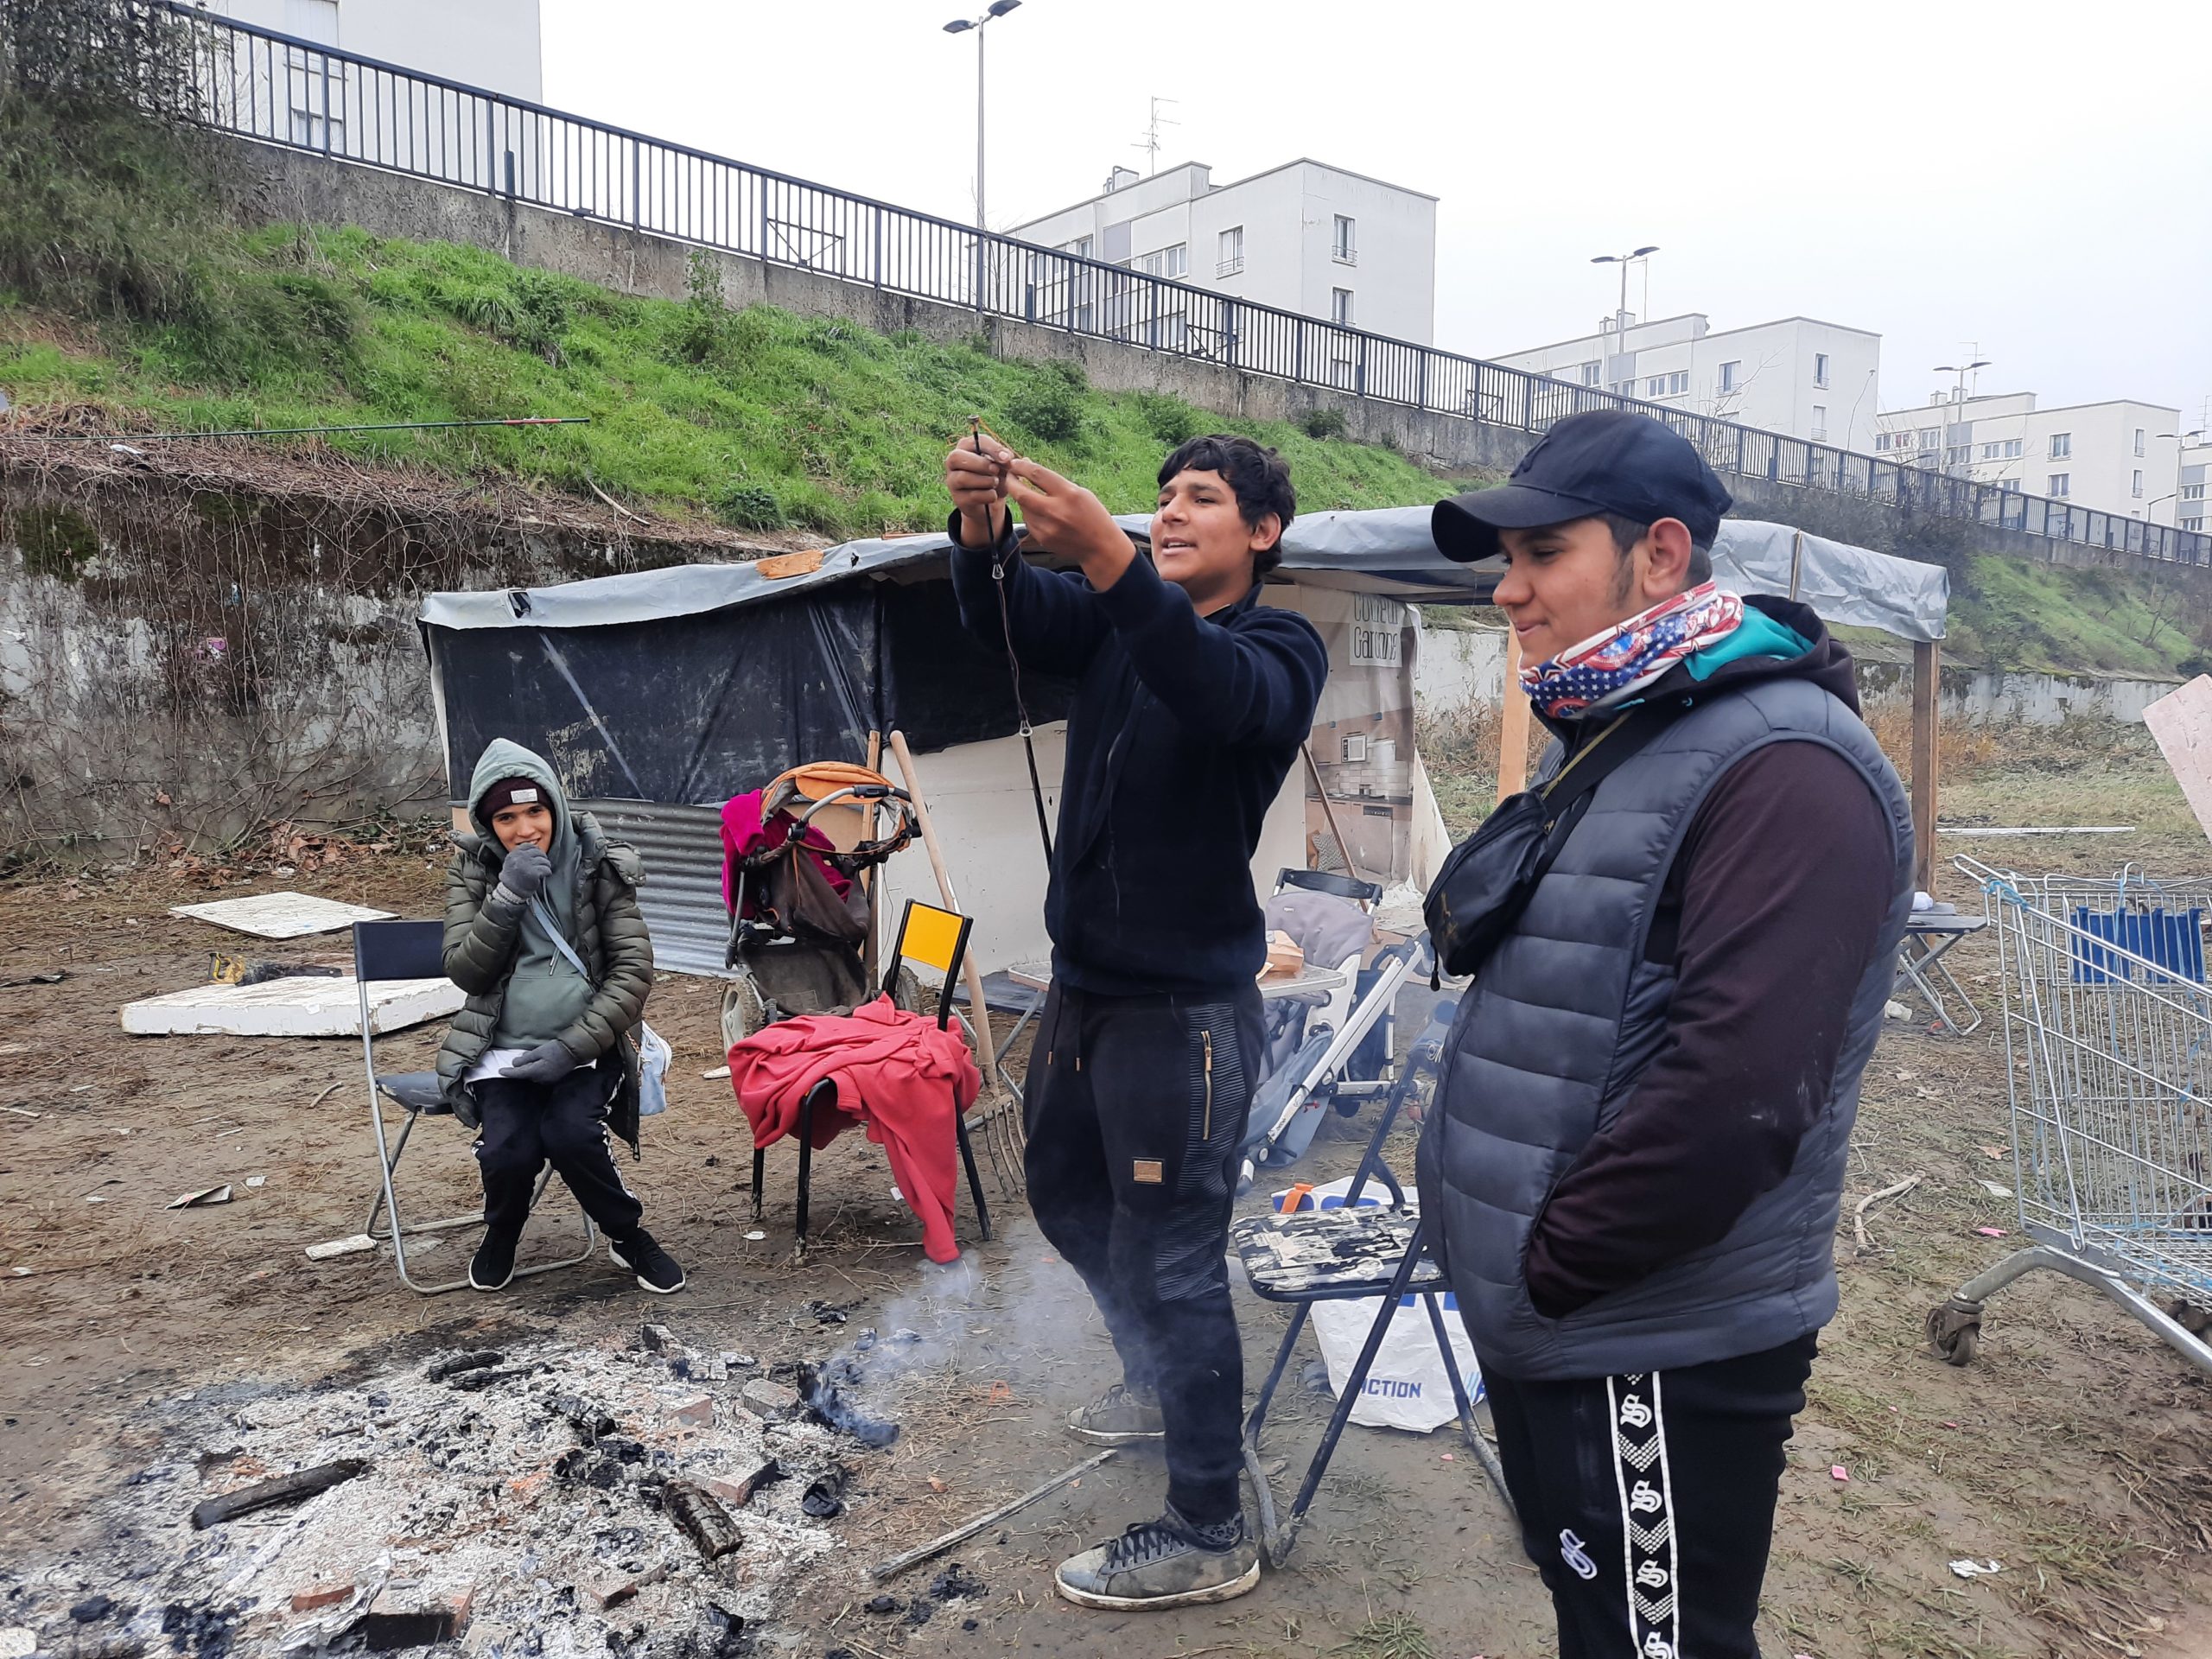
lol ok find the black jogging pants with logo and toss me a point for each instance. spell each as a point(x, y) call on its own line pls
point(1134, 1108)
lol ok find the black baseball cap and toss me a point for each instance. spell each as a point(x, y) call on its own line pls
point(1602, 460)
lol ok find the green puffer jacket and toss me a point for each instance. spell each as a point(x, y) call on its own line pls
point(482, 921)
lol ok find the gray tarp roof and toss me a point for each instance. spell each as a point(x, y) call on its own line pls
point(1384, 550)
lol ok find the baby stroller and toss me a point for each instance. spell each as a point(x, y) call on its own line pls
point(800, 915)
point(1327, 1048)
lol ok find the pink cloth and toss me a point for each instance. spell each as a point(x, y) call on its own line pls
point(895, 1071)
point(743, 834)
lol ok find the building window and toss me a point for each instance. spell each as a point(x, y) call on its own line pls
point(2192, 523)
point(2135, 489)
point(1928, 434)
point(1592, 373)
point(2009, 485)
point(1343, 245)
point(1173, 261)
point(2006, 449)
point(1340, 305)
point(1080, 247)
point(2060, 485)
point(1956, 454)
point(2062, 446)
point(2139, 440)
point(1730, 374)
point(1667, 385)
point(1229, 254)
point(1820, 368)
point(2192, 491)
point(1819, 434)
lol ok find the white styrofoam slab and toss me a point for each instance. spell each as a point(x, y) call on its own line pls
point(2182, 722)
point(280, 915)
point(292, 1008)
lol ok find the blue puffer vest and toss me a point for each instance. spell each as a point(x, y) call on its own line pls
point(1562, 1021)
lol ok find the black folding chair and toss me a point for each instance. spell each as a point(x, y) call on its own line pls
point(386, 950)
point(1344, 886)
point(937, 939)
point(1344, 1254)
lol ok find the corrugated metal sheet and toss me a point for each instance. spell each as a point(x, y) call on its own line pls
point(682, 898)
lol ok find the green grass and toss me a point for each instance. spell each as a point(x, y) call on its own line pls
point(764, 418)
point(2104, 619)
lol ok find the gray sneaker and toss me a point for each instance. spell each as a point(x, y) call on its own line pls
point(1121, 1416)
point(1159, 1564)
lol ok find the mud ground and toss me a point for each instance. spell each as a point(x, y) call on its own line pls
point(2077, 1450)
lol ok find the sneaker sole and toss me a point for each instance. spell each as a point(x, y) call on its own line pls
point(502, 1285)
point(1247, 1581)
point(616, 1256)
point(1115, 1437)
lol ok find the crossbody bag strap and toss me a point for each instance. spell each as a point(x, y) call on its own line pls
point(546, 920)
point(1593, 763)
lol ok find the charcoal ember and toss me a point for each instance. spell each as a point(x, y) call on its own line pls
point(617, 1540)
point(606, 1474)
point(439, 1369)
point(624, 1450)
point(824, 1497)
point(880, 1606)
point(957, 1583)
point(92, 1608)
point(969, 1624)
point(823, 1387)
point(703, 1518)
point(919, 1611)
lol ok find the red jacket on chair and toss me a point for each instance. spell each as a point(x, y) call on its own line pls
point(896, 1072)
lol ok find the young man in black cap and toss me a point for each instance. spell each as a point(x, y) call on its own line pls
point(1638, 1151)
point(1191, 700)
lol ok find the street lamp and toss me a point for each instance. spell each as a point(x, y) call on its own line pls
point(962, 26)
point(1958, 404)
point(1623, 260)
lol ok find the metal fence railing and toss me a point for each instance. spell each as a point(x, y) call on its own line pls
point(281, 90)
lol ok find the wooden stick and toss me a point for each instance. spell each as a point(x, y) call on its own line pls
point(283, 1488)
point(1859, 1215)
point(1512, 724)
point(869, 885)
point(1927, 685)
point(986, 1049)
point(1329, 811)
point(898, 1564)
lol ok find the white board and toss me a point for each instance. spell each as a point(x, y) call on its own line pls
point(280, 915)
point(2182, 724)
point(303, 1007)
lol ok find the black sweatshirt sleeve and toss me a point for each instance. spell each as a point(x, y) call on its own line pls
point(1785, 880)
point(1053, 617)
point(1257, 682)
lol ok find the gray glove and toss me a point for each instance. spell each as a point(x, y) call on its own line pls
point(526, 871)
point(547, 1063)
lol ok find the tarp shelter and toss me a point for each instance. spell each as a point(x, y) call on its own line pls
point(657, 695)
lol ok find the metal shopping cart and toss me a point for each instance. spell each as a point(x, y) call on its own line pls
point(2109, 1037)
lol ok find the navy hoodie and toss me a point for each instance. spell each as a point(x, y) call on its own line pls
point(1182, 730)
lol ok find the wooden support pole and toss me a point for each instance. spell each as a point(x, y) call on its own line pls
point(979, 1010)
point(1927, 672)
point(871, 881)
point(1512, 724)
point(1329, 811)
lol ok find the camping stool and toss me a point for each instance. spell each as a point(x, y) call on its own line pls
point(1344, 1254)
point(937, 939)
point(415, 950)
point(1369, 893)
point(1928, 937)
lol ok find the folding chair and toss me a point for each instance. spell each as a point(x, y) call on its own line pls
point(1928, 937)
point(937, 939)
point(1344, 1254)
point(384, 951)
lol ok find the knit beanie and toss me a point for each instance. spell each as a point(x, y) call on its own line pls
point(512, 791)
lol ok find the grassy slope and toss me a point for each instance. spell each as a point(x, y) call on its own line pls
point(768, 418)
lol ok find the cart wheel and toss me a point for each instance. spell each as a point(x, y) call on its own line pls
point(1955, 1332)
point(744, 1010)
point(908, 993)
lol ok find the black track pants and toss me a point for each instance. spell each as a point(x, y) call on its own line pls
point(1647, 1501)
point(1135, 1107)
point(526, 1125)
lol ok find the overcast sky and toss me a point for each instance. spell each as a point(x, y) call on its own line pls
point(2032, 179)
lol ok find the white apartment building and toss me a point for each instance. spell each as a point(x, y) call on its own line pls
point(1815, 380)
point(2120, 457)
point(2194, 493)
point(300, 97)
point(1304, 237)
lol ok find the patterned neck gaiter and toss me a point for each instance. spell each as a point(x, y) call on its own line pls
point(1608, 669)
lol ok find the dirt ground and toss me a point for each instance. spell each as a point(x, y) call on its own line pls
point(2077, 1450)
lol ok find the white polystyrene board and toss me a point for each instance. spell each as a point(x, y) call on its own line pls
point(2182, 722)
point(280, 915)
point(300, 1007)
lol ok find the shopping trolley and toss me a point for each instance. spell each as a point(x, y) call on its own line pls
point(2109, 1041)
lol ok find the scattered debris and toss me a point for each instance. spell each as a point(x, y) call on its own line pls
point(823, 1390)
point(53, 978)
point(1859, 1214)
point(898, 1564)
point(25, 1111)
point(825, 1497)
point(282, 1489)
point(1997, 1189)
point(206, 1195)
point(1991, 1232)
point(453, 1364)
point(770, 1400)
point(1838, 1472)
point(1970, 1569)
point(280, 915)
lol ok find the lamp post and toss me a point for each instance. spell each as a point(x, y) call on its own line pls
point(1623, 260)
point(965, 25)
point(1958, 408)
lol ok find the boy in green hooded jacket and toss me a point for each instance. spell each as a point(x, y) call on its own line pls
point(542, 932)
